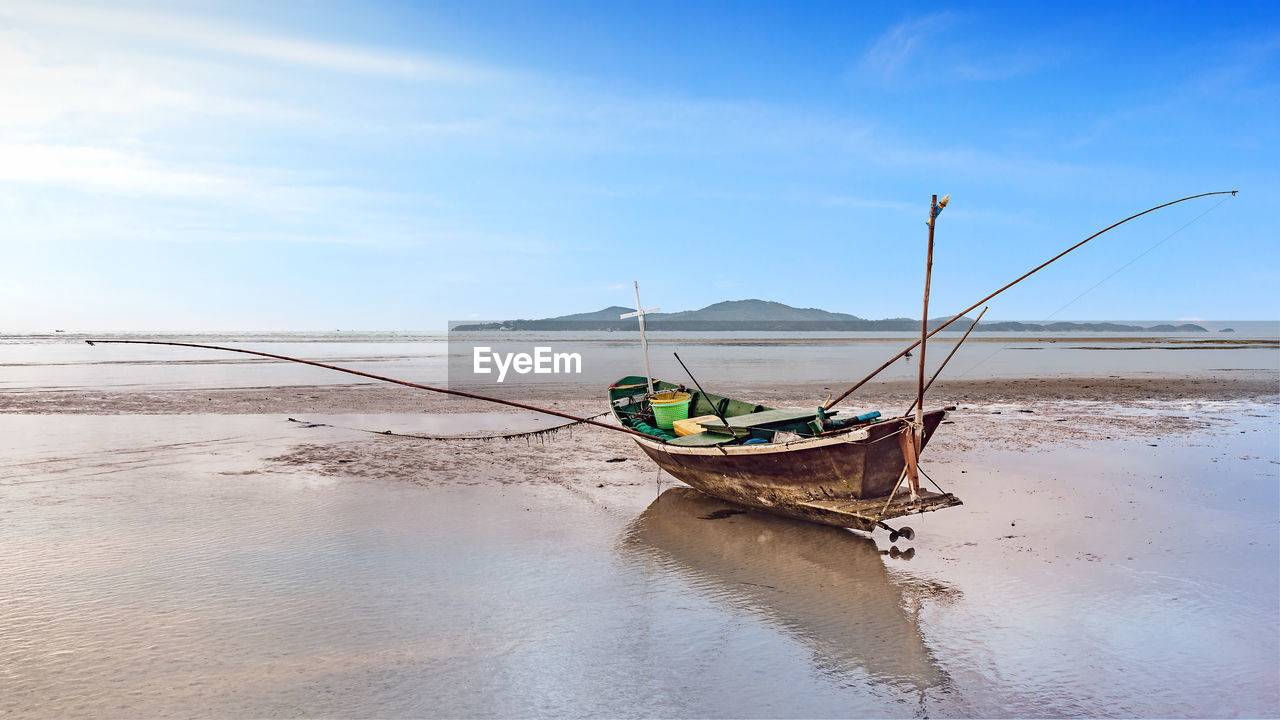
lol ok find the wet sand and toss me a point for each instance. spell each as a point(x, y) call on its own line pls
point(195, 552)
point(1261, 386)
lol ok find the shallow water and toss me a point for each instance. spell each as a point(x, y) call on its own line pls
point(152, 567)
point(825, 359)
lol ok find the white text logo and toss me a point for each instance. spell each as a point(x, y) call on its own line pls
point(541, 362)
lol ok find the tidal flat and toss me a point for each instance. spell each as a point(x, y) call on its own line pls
point(173, 543)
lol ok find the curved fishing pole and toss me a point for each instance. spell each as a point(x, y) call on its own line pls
point(458, 393)
point(912, 346)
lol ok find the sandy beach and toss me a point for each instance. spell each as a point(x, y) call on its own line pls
point(269, 551)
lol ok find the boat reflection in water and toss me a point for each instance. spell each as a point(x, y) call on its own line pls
point(825, 586)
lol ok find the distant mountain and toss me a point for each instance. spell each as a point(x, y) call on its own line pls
point(609, 314)
point(754, 311)
point(1084, 327)
point(764, 315)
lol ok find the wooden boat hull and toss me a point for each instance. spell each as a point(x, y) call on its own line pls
point(841, 479)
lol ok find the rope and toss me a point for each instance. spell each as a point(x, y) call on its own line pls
point(512, 436)
point(922, 472)
point(901, 475)
point(1141, 255)
point(1113, 273)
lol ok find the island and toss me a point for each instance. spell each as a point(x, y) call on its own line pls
point(765, 315)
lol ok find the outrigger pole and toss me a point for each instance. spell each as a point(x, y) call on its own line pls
point(938, 372)
point(1034, 270)
point(406, 383)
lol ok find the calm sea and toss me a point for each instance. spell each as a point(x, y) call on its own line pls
point(63, 360)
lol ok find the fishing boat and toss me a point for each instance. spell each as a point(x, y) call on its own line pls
point(807, 464)
point(815, 465)
point(819, 465)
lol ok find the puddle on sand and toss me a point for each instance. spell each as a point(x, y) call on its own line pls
point(826, 587)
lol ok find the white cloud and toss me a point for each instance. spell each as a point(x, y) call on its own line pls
point(103, 169)
point(899, 46)
point(933, 47)
point(114, 102)
point(51, 91)
point(102, 88)
point(208, 34)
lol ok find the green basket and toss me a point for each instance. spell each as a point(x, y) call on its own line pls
point(669, 407)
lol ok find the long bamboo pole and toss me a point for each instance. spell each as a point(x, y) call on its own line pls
point(924, 326)
point(951, 354)
point(940, 328)
point(913, 438)
point(406, 383)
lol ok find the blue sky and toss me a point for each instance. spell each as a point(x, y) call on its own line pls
point(313, 165)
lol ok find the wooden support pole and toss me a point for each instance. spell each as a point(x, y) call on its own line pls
point(918, 430)
point(911, 454)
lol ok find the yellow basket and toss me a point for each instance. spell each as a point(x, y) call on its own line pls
point(669, 407)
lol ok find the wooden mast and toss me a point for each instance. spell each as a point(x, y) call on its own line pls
point(924, 317)
point(912, 438)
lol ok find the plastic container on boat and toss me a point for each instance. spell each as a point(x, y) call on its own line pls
point(669, 407)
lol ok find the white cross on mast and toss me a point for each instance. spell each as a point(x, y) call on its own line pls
point(644, 343)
